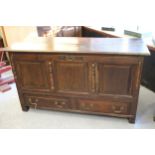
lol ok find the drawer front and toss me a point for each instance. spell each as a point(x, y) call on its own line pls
point(104, 106)
point(47, 102)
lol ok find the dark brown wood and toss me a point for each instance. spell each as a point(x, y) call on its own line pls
point(1, 42)
point(71, 77)
point(104, 106)
point(151, 48)
point(91, 32)
point(93, 83)
point(33, 75)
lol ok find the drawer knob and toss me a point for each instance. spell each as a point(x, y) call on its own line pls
point(118, 109)
point(59, 104)
point(34, 103)
point(56, 102)
point(87, 106)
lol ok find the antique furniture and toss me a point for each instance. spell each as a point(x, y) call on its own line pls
point(91, 32)
point(86, 75)
point(148, 71)
point(69, 31)
point(62, 31)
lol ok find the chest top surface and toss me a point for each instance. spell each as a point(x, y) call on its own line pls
point(119, 46)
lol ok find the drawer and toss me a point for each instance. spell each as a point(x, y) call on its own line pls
point(47, 102)
point(104, 106)
point(25, 56)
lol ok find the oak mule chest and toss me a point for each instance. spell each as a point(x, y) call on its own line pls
point(86, 75)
